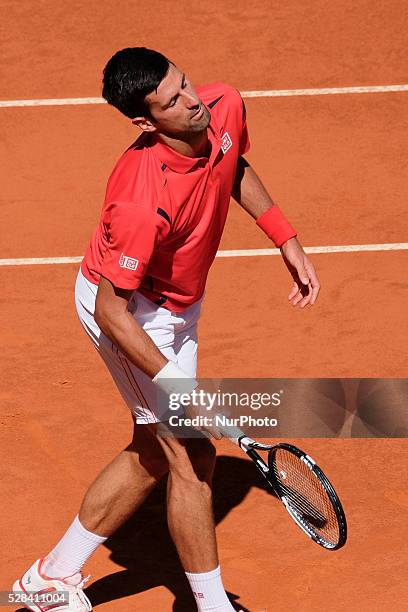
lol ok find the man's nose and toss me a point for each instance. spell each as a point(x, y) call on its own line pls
point(192, 101)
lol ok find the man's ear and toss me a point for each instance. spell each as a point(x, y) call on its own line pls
point(144, 124)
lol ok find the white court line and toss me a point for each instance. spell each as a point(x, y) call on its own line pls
point(35, 261)
point(279, 93)
point(348, 248)
point(51, 102)
point(267, 93)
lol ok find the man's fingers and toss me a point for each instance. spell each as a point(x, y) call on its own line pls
point(211, 432)
point(302, 274)
point(297, 299)
point(208, 430)
point(315, 293)
point(307, 298)
point(303, 297)
point(313, 285)
point(294, 291)
point(298, 291)
point(314, 281)
point(306, 285)
point(216, 434)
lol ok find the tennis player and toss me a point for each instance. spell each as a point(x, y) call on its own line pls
point(138, 296)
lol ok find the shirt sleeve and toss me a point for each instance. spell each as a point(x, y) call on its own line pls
point(244, 143)
point(133, 232)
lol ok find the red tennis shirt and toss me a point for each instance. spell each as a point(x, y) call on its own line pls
point(164, 213)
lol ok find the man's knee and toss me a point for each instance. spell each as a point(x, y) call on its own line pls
point(147, 452)
point(202, 455)
point(190, 459)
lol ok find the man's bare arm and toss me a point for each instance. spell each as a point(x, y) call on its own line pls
point(118, 324)
point(249, 191)
point(251, 195)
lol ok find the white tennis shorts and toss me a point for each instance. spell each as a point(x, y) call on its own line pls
point(174, 333)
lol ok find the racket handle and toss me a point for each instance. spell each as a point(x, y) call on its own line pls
point(241, 439)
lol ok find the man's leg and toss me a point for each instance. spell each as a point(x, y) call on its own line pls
point(112, 498)
point(191, 520)
point(124, 484)
point(189, 502)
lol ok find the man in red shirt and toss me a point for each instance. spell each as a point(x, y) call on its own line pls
point(138, 296)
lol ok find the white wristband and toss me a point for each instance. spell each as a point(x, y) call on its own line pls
point(171, 379)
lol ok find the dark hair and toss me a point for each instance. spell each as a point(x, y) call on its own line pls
point(130, 75)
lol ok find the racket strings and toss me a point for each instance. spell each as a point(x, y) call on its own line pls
point(321, 523)
point(306, 506)
point(306, 495)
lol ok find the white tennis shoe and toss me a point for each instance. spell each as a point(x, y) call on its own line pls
point(46, 594)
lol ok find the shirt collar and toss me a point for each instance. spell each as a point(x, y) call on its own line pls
point(182, 163)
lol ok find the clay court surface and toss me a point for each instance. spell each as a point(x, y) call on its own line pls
point(336, 164)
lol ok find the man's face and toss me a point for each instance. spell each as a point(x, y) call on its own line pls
point(175, 107)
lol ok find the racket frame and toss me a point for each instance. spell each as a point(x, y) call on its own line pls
point(250, 447)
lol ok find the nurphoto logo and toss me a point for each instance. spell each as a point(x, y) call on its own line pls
point(128, 262)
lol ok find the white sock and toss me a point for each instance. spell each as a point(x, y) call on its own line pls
point(209, 591)
point(71, 552)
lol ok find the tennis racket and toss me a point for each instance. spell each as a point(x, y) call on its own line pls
point(302, 487)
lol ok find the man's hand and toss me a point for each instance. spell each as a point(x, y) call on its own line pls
point(199, 409)
point(306, 285)
point(206, 421)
